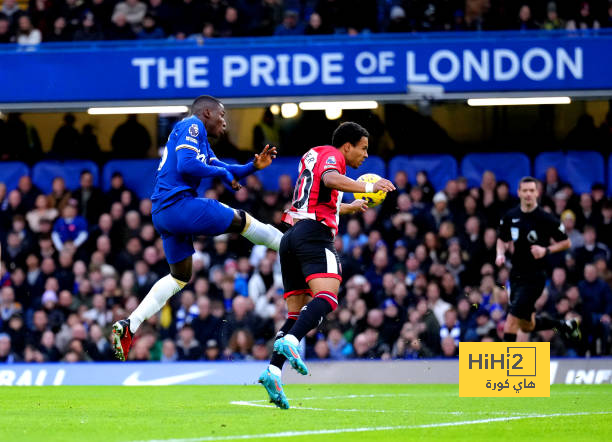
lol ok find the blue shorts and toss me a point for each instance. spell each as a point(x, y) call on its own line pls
point(189, 216)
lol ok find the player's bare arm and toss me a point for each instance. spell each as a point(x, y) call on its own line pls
point(337, 181)
point(357, 206)
point(540, 252)
point(501, 248)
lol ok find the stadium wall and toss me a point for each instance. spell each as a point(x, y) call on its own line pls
point(562, 371)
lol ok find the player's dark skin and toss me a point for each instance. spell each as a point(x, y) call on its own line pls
point(213, 117)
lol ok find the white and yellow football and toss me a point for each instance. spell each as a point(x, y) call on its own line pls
point(373, 199)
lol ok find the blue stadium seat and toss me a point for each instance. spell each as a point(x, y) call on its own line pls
point(11, 171)
point(439, 168)
point(580, 169)
point(280, 166)
point(372, 164)
point(138, 175)
point(44, 172)
point(509, 167)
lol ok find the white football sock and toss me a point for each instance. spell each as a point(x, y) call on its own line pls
point(274, 370)
point(163, 290)
point(292, 339)
point(262, 234)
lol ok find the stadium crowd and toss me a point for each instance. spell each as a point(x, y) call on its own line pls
point(418, 275)
point(93, 20)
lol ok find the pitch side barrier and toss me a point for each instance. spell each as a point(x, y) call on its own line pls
point(428, 371)
point(449, 65)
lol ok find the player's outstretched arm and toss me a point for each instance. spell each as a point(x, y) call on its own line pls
point(357, 206)
point(188, 164)
point(335, 180)
point(261, 161)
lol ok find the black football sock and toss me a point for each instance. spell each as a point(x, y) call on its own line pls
point(312, 315)
point(544, 323)
point(277, 359)
point(509, 337)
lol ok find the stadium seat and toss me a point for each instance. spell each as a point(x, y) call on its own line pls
point(372, 164)
point(280, 166)
point(138, 175)
point(509, 167)
point(439, 168)
point(11, 171)
point(44, 172)
point(580, 169)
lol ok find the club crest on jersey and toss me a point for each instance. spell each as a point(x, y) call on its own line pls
point(193, 130)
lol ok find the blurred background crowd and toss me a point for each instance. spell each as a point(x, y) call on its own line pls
point(31, 22)
point(418, 275)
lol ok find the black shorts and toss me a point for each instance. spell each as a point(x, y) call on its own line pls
point(306, 252)
point(524, 291)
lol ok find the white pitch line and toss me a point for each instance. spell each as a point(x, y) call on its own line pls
point(358, 410)
point(369, 429)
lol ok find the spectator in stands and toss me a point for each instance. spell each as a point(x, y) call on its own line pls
point(585, 19)
point(88, 30)
point(60, 32)
point(149, 29)
point(553, 21)
point(10, 9)
point(291, 24)
point(6, 36)
point(90, 199)
point(162, 13)
point(525, 20)
point(134, 12)
point(569, 223)
point(26, 33)
point(7, 356)
point(59, 196)
point(188, 348)
point(397, 20)
point(264, 287)
point(231, 26)
point(596, 298)
point(316, 27)
point(591, 248)
point(120, 29)
point(131, 139)
point(66, 139)
point(71, 229)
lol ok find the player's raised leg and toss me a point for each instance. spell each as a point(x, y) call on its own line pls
point(325, 301)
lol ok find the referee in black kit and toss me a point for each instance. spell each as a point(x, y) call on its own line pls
point(526, 231)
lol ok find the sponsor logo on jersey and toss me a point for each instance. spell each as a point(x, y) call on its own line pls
point(562, 227)
point(331, 160)
point(515, 220)
point(193, 140)
point(193, 130)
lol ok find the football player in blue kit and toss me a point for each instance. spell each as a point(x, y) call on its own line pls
point(178, 214)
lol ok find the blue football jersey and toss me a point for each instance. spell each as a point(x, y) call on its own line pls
point(190, 134)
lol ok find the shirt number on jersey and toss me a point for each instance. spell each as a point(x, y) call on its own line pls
point(163, 160)
point(302, 190)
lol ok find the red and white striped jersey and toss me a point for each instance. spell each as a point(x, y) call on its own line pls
point(311, 198)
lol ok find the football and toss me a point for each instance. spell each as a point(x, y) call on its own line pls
point(373, 199)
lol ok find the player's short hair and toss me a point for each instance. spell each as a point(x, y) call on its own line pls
point(528, 179)
point(348, 132)
point(203, 102)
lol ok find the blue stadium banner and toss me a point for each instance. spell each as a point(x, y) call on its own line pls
point(131, 373)
point(269, 67)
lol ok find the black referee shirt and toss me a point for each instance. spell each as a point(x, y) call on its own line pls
point(525, 229)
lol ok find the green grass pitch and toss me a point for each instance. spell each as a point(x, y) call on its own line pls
point(319, 413)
